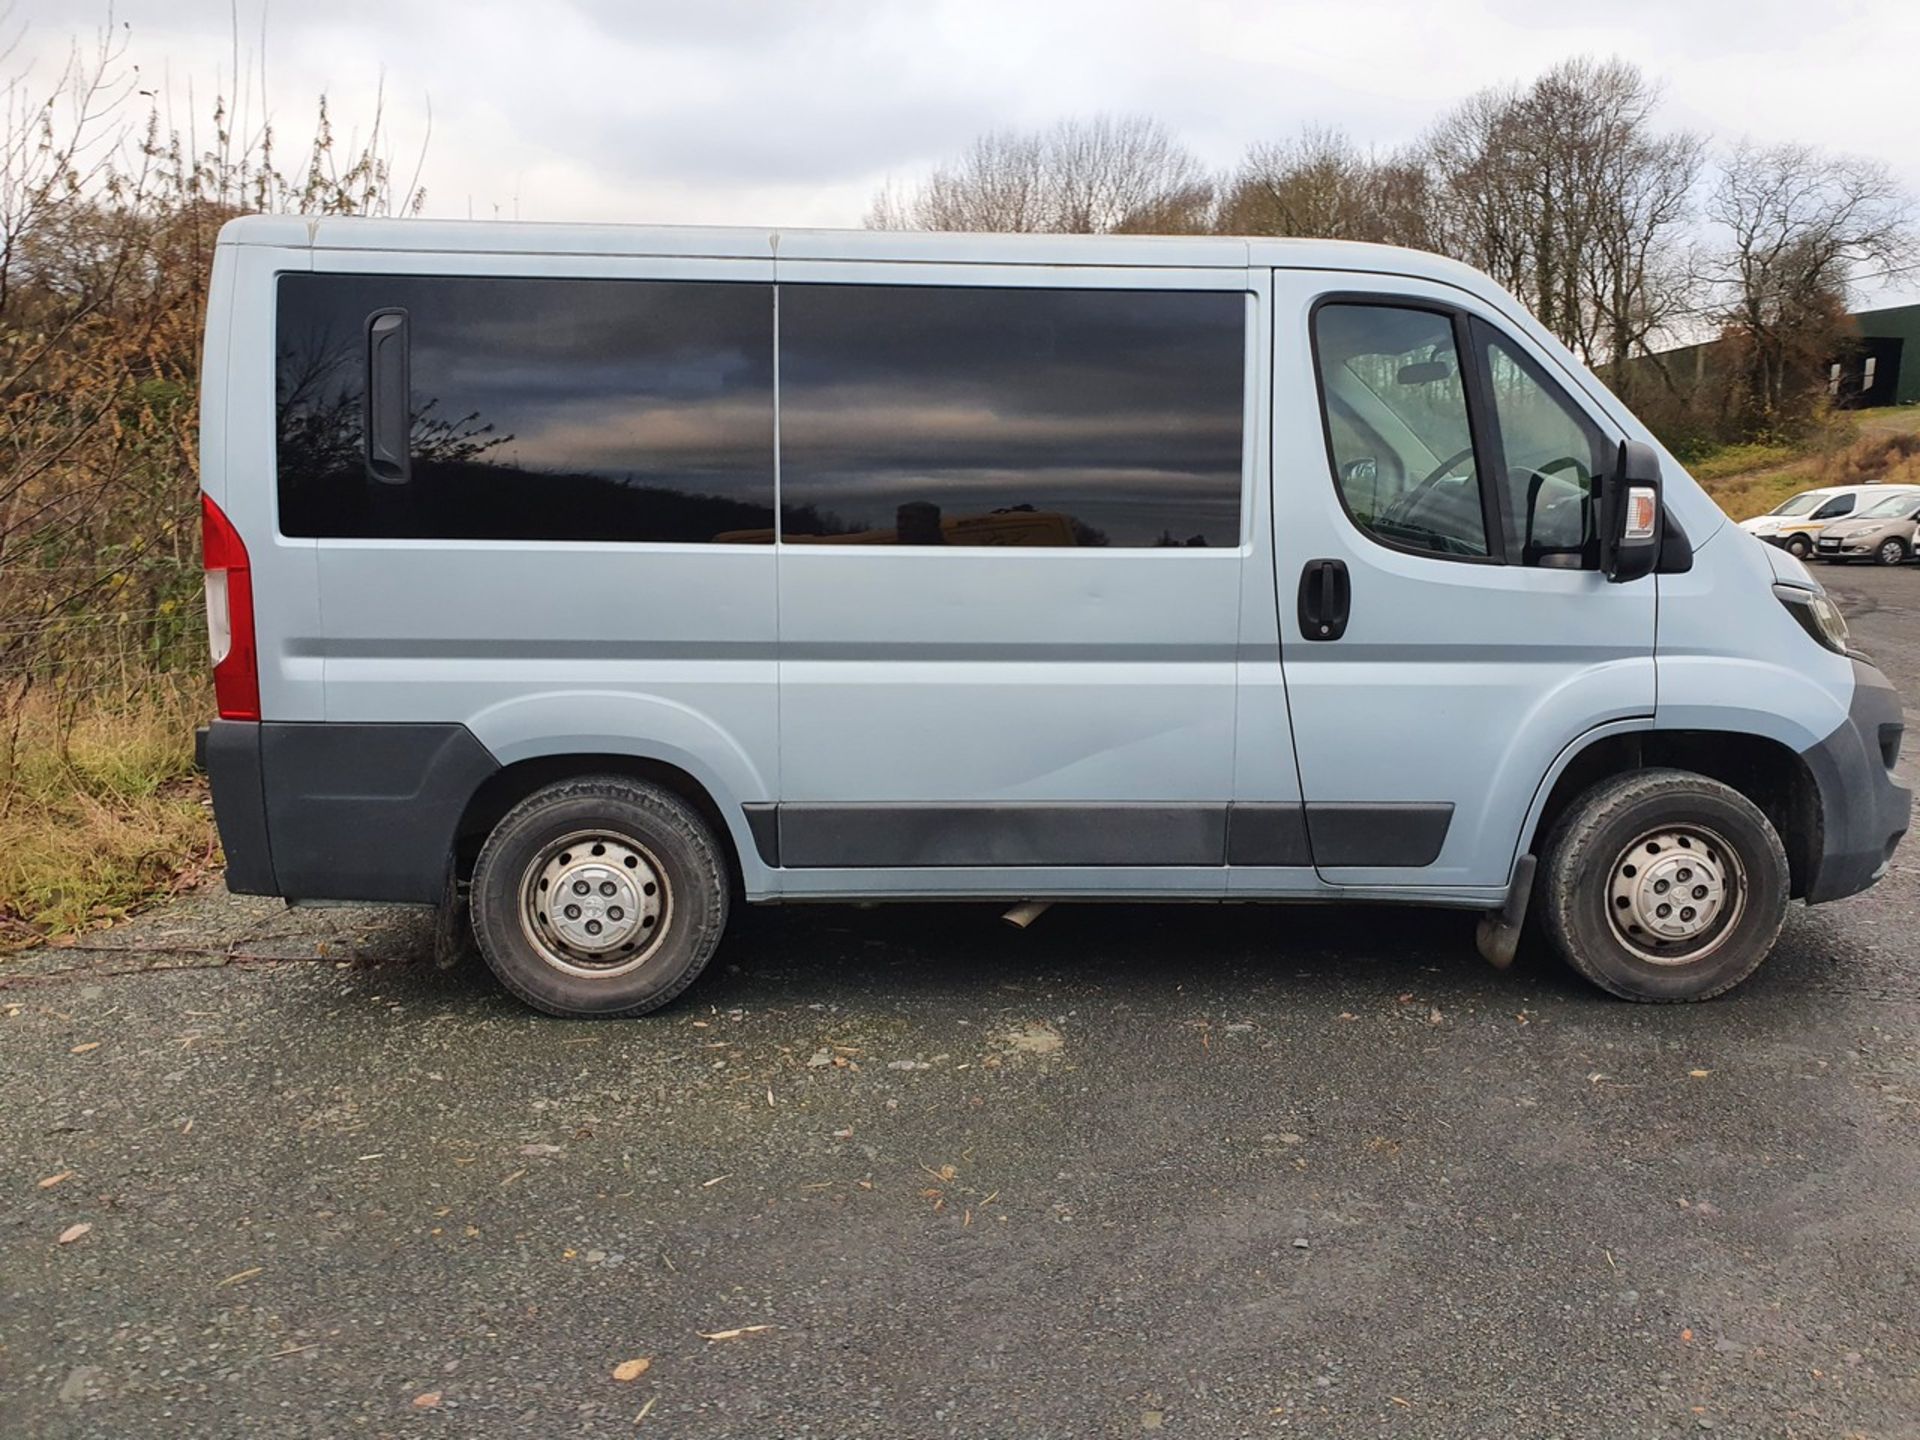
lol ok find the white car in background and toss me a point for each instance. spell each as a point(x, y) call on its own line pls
point(1795, 524)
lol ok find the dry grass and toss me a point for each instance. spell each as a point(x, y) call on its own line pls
point(1750, 480)
point(1891, 458)
point(100, 812)
point(1739, 459)
point(1744, 496)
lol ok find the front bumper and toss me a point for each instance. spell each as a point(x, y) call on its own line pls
point(1864, 811)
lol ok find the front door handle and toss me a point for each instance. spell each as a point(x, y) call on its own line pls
point(1326, 597)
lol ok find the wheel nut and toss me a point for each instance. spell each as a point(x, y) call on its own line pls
point(1660, 887)
point(1684, 875)
point(573, 912)
point(614, 912)
point(593, 927)
point(580, 887)
point(1699, 892)
point(1686, 912)
point(606, 887)
point(1663, 911)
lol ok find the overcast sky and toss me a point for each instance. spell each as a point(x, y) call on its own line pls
point(795, 111)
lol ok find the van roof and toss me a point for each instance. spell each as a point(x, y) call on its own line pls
point(507, 237)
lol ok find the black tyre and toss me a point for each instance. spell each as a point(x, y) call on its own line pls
point(1891, 551)
point(1663, 885)
point(598, 897)
point(1798, 546)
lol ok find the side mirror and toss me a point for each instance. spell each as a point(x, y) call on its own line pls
point(1630, 514)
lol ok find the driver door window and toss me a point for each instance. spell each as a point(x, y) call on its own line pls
point(1550, 457)
point(1398, 431)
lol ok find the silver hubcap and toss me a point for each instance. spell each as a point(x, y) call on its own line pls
point(1890, 553)
point(594, 904)
point(1674, 893)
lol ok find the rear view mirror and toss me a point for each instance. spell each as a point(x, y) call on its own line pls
point(1424, 373)
point(1631, 514)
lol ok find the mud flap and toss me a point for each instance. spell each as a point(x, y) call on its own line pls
point(1498, 934)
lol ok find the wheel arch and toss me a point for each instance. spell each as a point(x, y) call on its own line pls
point(511, 784)
point(685, 748)
point(1764, 770)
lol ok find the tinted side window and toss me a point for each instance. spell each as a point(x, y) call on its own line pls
point(1839, 505)
point(1397, 426)
point(633, 410)
point(962, 416)
point(1551, 454)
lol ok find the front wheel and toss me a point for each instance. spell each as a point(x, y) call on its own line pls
point(1798, 546)
point(1891, 552)
point(1664, 885)
point(599, 896)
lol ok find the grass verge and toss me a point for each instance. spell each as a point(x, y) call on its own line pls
point(1748, 480)
point(101, 811)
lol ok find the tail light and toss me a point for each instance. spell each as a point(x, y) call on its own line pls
point(236, 663)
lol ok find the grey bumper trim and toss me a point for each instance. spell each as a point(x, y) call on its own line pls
point(1864, 811)
point(342, 811)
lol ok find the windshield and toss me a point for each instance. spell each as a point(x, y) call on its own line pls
point(1893, 507)
point(1799, 504)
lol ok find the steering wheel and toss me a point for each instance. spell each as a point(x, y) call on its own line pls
point(1404, 505)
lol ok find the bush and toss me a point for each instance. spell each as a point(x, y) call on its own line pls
point(100, 808)
point(107, 228)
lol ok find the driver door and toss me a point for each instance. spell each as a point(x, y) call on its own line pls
point(1444, 464)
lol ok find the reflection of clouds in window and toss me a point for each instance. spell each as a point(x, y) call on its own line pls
point(1120, 411)
point(579, 433)
point(542, 409)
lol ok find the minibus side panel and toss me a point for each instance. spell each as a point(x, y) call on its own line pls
point(571, 644)
point(963, 688)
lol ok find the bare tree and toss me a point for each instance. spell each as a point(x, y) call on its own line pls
point(1110, 173)
point(1479, 207)
point(108, 219)
point(1639, 278)
point(1321, 185)
point(1799, 227)
point(1565, 193)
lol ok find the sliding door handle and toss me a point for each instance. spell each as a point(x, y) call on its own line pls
point(389, 398)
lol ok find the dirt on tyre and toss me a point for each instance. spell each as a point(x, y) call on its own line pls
point(601, 896)
point(1663, 886)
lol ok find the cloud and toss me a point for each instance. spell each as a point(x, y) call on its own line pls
point(765, 113)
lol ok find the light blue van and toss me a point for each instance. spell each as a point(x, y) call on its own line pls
point(597, 579)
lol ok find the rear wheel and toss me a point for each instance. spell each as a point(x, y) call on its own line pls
point(599, 896)
point(1664, 885)
point(1892, 551)
point(1798, 546)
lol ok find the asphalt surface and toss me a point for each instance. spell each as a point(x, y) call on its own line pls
point(1210, 1171)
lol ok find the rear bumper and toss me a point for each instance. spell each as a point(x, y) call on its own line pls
point(1864, 811)
point(340, 811)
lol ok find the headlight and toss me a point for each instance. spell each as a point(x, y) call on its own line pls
point(1818, 616)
